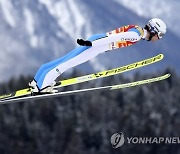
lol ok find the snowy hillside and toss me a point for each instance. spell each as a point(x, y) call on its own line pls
point(37, 31)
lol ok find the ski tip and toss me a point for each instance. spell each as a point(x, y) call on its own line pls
point(161, 55)
point(168, 75)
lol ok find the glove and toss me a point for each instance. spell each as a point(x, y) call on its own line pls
point(84, 43)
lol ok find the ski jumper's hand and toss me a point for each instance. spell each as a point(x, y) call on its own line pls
point(84, 42)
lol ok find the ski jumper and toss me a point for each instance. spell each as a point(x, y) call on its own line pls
point(121, 37)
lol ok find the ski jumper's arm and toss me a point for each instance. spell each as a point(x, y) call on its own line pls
point(121, 37)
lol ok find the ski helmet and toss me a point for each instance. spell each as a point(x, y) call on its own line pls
point(156, 26)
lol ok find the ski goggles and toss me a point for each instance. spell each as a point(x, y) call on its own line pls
point(154, 30)
point(160, 35)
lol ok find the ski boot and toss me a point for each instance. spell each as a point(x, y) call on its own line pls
point(32, 84)
point(47, 90)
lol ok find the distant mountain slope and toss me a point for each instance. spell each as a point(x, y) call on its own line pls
point(34, 32)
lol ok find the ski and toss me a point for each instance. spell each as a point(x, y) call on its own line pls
point(94, 76)
point(73, 92)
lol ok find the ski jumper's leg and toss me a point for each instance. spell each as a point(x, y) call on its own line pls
point(44, 69)
point(68, 56)
point(54, 63)
point(49, 76)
